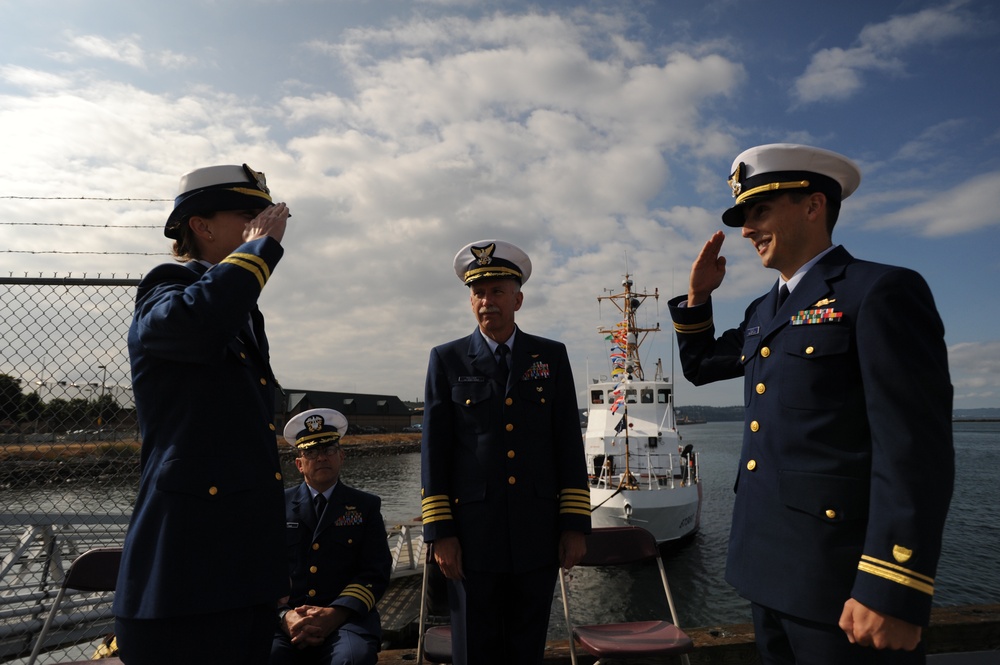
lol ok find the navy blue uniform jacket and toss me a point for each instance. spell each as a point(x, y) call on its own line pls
point(847, 464)
point(342, 561)
point(206, 533)
point(503, 467)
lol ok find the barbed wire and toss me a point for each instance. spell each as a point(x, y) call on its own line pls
point(80, 198)
point(90, 226)
point(54, 251)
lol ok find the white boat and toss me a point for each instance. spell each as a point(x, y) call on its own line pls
point(640, 473)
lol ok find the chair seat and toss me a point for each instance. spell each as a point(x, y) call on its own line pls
point(437, 644)
point(635, 639)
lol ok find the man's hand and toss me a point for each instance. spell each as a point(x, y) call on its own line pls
point(707, 271)
point(448, 557)
point(572, 547)
point(309, 625)
point(869, 628)
point(270, 222)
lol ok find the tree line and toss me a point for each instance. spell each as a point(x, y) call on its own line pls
point(27, 411)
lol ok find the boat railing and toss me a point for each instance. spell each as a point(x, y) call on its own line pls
point(654, 470)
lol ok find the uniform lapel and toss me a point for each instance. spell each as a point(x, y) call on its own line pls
point(302, 508)
point(480, 357)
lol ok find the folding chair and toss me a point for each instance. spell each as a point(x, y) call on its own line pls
point(615, 546)
point(433, 643)
point(95, 570)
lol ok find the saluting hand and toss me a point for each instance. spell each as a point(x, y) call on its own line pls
point(707, 271)
point(270, 222)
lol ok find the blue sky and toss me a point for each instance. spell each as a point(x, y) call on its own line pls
point(594, 135)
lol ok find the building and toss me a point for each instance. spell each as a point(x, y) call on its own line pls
point(365, 413)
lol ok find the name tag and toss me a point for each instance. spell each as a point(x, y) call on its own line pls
point(753, 331)
point(471, 379)
point(291, 525)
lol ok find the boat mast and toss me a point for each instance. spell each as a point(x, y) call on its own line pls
point(628, 336)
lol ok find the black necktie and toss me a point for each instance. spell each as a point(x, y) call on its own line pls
point(503, 370)
point(320, 506)
point(782, 294)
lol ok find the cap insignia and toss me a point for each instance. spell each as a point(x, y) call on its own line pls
point(258, 178)
point(901, 554)
point(484, 255)
point(736, 180)
point(314, 423)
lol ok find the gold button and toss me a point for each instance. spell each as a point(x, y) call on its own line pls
point(263, 381)
point(742, 358)
point(312, 592)
point(751, 465)
point(511, 480)
point(765, 352)
point(350, 541)
point(271, 425)
point(510, 427)
point(809, 350)
point(315, 546)
point(831, 513)
point(313, 569)
point(468, 402)
point(508, 401)
point(277, 475)
point(456, 500)
point(760, 388)
point(243, 355)
point(543, 400)
point(213, 490)
point(510, 454)
point(754, 425)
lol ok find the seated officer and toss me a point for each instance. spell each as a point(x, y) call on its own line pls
point(339, 559)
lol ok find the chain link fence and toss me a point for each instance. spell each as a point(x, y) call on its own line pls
point(69, 452)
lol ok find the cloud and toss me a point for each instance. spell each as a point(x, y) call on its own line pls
point(837, 73)
point(975, 370)
point(970, 206)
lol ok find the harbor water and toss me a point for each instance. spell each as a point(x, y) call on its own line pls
point(967, 574)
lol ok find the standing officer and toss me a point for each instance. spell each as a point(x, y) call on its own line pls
point(505, 493)
point(203, 564)
point(847, 464)
point(339, 557)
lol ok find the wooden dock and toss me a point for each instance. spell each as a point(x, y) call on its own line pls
point(966, 635)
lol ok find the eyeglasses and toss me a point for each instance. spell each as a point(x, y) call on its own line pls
point(321, 451)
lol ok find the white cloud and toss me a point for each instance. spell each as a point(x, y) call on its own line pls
point(970, 206)
point(975, 370)
point(837, 73)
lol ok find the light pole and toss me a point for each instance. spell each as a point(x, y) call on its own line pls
point(100, 400)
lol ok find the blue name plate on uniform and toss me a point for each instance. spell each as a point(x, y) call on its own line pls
point(753, 331)
point(471, 379)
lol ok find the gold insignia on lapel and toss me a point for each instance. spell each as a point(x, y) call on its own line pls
point(824, 301)
point(901, 554)
point(484, 255)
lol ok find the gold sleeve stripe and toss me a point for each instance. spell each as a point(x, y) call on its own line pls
point(890, 564)
point(360, 592)
point(689, 328)
point(897, 577)
point(435, 508)
point(251, 263)
point(574, 501)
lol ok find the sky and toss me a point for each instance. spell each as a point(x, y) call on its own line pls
point(596, 136)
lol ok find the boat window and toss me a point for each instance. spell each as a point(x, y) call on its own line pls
point(646, 394)
point(663, 395)
point(630, 395)
point(596, 396)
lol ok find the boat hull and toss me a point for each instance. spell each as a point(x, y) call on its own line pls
point(670, 514)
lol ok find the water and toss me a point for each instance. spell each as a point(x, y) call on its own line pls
point(967, 573)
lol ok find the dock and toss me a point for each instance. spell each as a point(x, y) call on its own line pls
point(966, 635)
